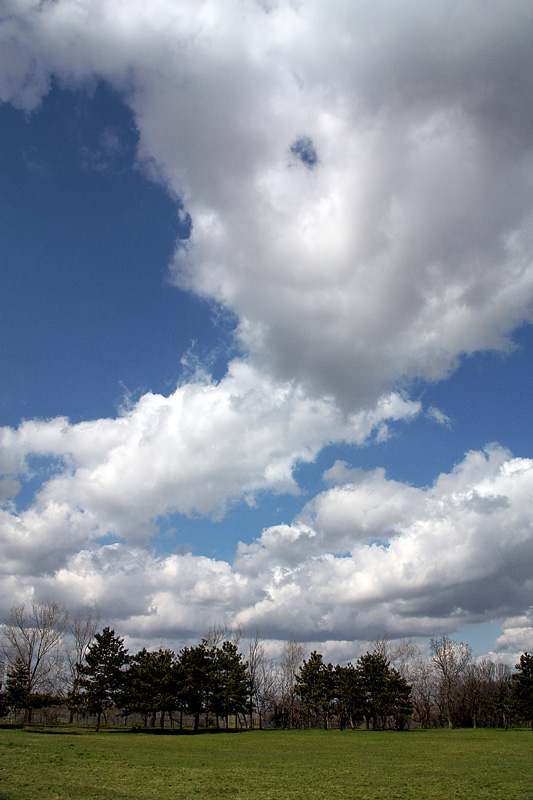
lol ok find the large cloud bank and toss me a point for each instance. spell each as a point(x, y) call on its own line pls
point(359, 180)
point(401, 242)
point(368, 555)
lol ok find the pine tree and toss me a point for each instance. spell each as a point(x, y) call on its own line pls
point(385, 693)
point(349, 693)
point(522, 692)
point(152, 684)
point(102, 677)
point(229, 680)
point(316, 687)
point(18, 687)
point(19, 693)
point(193, 681)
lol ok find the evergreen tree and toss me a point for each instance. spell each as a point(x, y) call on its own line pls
point(349, 693)
point(315, 686)
point(18, 687)
point(522, 691)
point(19, 693)
point(151, 685)
point(102, 676)
point(4, 704)
point(397, 701)
point(373, 669)
point(193, 679)
point(384, 692)
point(229, 681)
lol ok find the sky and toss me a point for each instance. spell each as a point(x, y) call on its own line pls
point(266, 308)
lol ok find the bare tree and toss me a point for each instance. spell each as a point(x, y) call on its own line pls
point(223, 632)
point(450, 659)
point(256, 656)
point(481, 684)
point(382, 646)
point(292, 655)
point(424, 692)
point(266, 690)
point(32, 639)
point(263, 680)
point(81, 628)
point(401, 654)
point(476, 682)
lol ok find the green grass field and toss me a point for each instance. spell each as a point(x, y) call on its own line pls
point(311, 765)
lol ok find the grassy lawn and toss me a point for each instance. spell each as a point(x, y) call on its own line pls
point(270, 765)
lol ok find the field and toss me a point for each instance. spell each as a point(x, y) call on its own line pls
point(266, 765)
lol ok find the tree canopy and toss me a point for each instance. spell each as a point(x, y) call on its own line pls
point(102, 676)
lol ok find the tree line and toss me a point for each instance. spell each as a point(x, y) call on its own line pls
point(53, 659)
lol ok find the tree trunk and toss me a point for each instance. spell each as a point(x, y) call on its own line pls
point(448, 710)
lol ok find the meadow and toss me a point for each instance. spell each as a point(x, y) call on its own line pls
point(75, 764)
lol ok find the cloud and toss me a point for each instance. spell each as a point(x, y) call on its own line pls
point(206, 445)
point(403, 245)
point(368, 557)
point(107, 154)
point(439, 417)
point(384, 556)
point(517, 634)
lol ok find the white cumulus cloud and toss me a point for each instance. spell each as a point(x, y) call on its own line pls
point(371, 556)
point(204, 446)
point(405, 246)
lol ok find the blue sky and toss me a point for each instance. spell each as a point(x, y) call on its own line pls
point(259, 300)
point(87, 311)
